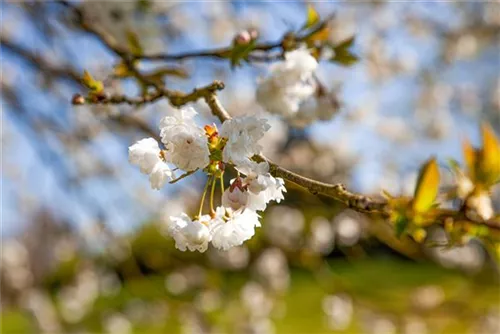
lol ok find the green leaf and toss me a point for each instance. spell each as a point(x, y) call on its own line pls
point(92, 84)
point(346, 44)
point(454, 165)
point(241, 52)
point(427, 187)
point(345, 58)
point(312, 17)
point(134, 44)
point(342, 54)
point(121, 70)
point(400, 225)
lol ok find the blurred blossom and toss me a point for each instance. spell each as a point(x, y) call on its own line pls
point(495, 98)
point(117, 324)
point(396, 129)
point(339, 311)
point(491, 13)
point(414, 325)
point(255, 300)
point(273, 141)
point(14, 253)
point(208, 300)
point(381, 326)
point(428, 297)
point(235, 258)
point(469, 257)
point(322, 235)
point(135, 310)
point(316, 108)
point(15, 264)
point(176, 283)
point(191, 322)
point(438, 124)
point(119, 18)
point(347, 228)
point(187, 278)
point(259, 326)
point(284, 226)
point(40, 304)
point(488, 323)
point(408, 61)
point(109, 284)
point(271, 269)
point(466, 47)
point(77, 299)
point(469, 100)
point(65, 249)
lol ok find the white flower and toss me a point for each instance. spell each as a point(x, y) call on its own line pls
point(146, 154)
point(464, 185)
point(184, 140)
point(274, 189)
point(171, 125)
point(321, 107)
point(289, 83)
point(242, 136)
point(189, 151)
point(262, 187)
point(190, 234)
point(227, 233)
point(160, 175)
point(234, 198)
point(482, 205)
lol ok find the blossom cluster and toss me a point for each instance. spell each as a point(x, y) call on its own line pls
point(290, 90)
point(190, 147)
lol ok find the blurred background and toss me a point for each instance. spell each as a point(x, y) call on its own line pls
point(84, 248)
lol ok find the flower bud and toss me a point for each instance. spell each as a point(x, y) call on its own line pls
point(78, 99)
point(242, 38)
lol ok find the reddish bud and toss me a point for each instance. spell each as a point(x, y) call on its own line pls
point(78, 99)
point(243, 37)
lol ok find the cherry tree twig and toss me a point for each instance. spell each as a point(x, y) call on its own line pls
point(224, 53)
point(208, 93)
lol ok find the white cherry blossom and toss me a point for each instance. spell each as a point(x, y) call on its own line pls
point(235, 230)
point(160, 174)
point(242, 136)
point(234, 198)
point(275, 187)
point(189, 151)
point(185, 141)
point(262, 186)
point(289, 83)
point(190, 234)
point(146, 154)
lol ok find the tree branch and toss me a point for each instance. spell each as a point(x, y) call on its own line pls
point(225, 53)
point(208, 93)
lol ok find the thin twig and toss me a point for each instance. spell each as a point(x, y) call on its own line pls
point(225, 53)
point(183, 176)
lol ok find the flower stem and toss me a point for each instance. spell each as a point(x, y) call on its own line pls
point(222, 184)
point(212, 195)
point(203, 195)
